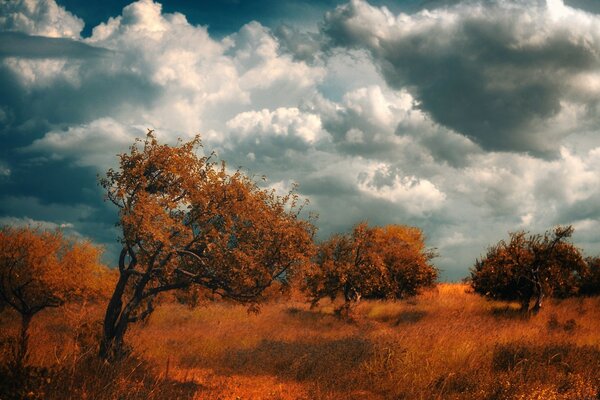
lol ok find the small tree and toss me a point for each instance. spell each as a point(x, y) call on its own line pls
point(528, 267)
point(379, 262)
point(40, 269)
point(590, 280)
point(187, 221)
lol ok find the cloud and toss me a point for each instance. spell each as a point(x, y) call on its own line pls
point(286, 128)
point(377, 116)
point(42, 18)
point(28, 222)
point(15, 44)
point(89, 145)
point(587, 5)
point(416, 196)
point(304, 46)
point(506, 74)
point(365, 121)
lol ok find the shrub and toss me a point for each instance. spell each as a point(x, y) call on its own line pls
point(376, 263)
point(529, 267)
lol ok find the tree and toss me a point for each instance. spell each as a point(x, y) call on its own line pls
point(528, 267)
point(378, 262)
point(42, 269)
point(590, 280)
point(186, 221)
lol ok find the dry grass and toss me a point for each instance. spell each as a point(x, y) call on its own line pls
point(444, 344)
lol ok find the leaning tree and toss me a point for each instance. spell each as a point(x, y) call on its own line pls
point(187, 221)
point(530, 267)
point(371, 262)
point(43, 269)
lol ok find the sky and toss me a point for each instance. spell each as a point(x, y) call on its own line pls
point(469, 119)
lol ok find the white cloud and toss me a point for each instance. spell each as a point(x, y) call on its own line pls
point(95, 144)
point(29, 222)
point(280, 122)
point(43, 18)
point(415, 195)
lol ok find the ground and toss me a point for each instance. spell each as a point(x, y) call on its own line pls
point(447, 343)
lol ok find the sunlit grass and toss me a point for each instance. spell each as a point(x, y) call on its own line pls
point(445, 344)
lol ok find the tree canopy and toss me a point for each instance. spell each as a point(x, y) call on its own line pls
point(371, 262)
point(530, 266)
point(42, 269)
point(187, 220)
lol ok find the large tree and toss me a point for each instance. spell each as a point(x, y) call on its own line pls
point(43, 269)
point(371, 262)
point(530, 267)
point(188, 221)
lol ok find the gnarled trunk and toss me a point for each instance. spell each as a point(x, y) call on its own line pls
point(23, 345)
point(538, 301)
point(351, 300)
point(115, 324)
point(539, 291)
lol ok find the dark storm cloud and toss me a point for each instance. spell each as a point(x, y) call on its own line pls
point(15, 44)
point(587, 5)
point(496, 74)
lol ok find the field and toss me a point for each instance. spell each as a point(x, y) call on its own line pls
point(444, 344)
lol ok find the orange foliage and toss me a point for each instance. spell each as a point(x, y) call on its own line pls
point(530, 266)
point(188, 221)
point(40, 269)
point(378, 262)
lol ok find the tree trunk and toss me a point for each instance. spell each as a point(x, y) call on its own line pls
point(351, 300)
point(111, 345)
point(22, 349)
point(525, 304)
point(539, 291)
point(538, 301)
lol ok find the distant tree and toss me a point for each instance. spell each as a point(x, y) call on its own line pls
point(41, 269)
point(590, 280)
point(378, 262)
point(530, 266)
point(187, 221)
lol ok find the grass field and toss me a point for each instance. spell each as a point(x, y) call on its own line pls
point(444, 344)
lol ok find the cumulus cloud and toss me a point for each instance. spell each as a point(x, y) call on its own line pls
point(43, 18)
point(506, 73)
point(416, 196)
point(285, 128)
point(470, 119)
point(91, 145)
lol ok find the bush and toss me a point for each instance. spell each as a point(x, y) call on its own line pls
point(529, 267)
point(375, 263)
point(590, 281)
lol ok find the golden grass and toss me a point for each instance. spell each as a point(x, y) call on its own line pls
point(444, 344)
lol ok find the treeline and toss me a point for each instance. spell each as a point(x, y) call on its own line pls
point(189, 223)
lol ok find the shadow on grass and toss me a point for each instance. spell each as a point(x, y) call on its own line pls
point(530, 359)
point(92, 378)
point(397, 318)
point(409, 317)
point(508, 312)
point(324, 361)
point(308, 315)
